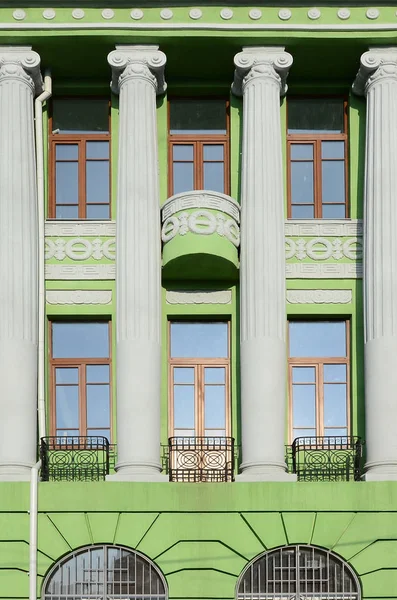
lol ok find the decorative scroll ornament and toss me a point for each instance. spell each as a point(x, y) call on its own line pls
point(79, 249)
point(319, 296)
point(137, 62)
point(78, 297)
point(261, 63)
point(376, 65)
point(320, 249)
point(22, 65)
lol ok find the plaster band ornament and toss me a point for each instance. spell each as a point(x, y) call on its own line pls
point(319, 228)
point(226, 14)
point(78, 13)
point(201, 222)
point(79, 249)
point(107, 13)
point(166, 14)
point(49, 14)
point(324, 270)
point(284, 14)
point(314, 14)
point(320, 249)
point(372, 13)
point(199, 297)
point(78, 297)
point(319, 296)
point(19, 14)
point(195, 13)
point(136, 14)
point(76, 229)
point(343, 13)
point(188, 200)
point(255, 14)
point(80, 272)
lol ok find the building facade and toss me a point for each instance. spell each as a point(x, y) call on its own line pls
point(198, 323)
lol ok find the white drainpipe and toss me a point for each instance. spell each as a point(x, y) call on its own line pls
point(34, 478)
point(38, 110)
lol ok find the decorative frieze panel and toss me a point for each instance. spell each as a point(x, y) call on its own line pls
point(80, 249)
point(199, 297)
point(80, 229)
point(319, 296)
point(322, 249)
point(79, 272)
point(79, 297)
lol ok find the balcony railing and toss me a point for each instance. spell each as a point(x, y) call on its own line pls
point(74, 458)
point(332, 458)
point(201, 459)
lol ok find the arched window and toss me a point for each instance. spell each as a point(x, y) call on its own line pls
point(103, 572)
point(298, 573)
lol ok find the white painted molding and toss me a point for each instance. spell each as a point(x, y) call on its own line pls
point(324, 271)
point(201, 199)
point(319, 296)
point(322, 227)
point(77, 297)
point(321, 248)
point(80, 228)
point(79, 249)
point(80, 272)
point(199, 297)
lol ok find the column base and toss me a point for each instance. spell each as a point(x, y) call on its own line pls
point(15, 472)
point(265, 473)
point(383, 472)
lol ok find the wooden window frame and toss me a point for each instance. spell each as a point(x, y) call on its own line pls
point(80, 364)
point(199, 365)
point(318, 363)
point(315, 140)
point(79, 139)
point(198, 141)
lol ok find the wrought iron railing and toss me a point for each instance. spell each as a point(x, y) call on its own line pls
point(330, 458)
point(201, 459)
point(74, 458)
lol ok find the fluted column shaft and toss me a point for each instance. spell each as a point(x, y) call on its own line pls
point(137, 75)
point(377, 80)
point(260, 78)
point(19, 79)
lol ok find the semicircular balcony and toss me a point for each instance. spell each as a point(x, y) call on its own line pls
point(201, 236)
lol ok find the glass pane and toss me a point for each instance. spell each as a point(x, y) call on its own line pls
point(97, 150)
point(75, 115)
point(199, 340)
point(333, 181)
point(333, 150)
point(335, 373)
point(67, 406)
point(66, 375)
point(334, 211)
point(80, 340)
point(213, 152)
point(98, 211)
point(340, 431)
point(302, 182)
point(184, 406)
point(335, 413)
point(304, 405)
point(183, 375)
point(214, 375)
point(317, 338)
point(214, 408)
point(303, 433)
point(67, 212)
point(67, 178)
point(97, 173)
point(315, 115)
point(301, 151)
point(183, 152)
point(98, 406)
point(66, 152)
point(302, 212)
point(214, 177)
point(197, 116)
point(99, 433)
point(98, 373)
point(303, 375)
point(183, 177)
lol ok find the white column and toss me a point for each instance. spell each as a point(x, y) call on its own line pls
point(138, 77)
point(260, 78)
point(19, 80)
point(377, 80)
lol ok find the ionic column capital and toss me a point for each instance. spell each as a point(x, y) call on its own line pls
point(23, 64)
point(261, 62)
point(377, 65)
point(137, 62)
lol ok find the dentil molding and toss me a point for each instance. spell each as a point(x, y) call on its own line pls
point(319, 296)
point(79, 297)
point(199, 297)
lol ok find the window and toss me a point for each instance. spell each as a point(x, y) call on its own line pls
point(199, 379)
point(80, 377)
point(104, 572)
point(297, 573)
point(317, 158)
point(80, 159)
point(198, 145)
point(319, 378)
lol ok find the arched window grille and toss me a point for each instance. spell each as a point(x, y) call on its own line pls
point(103, 572)
point(298, 573)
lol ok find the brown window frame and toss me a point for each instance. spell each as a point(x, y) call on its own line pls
point(80, 364)
point(79, 139)
point(315, 140)
point(198, 141)
point(318, 363)
point(199, 364)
